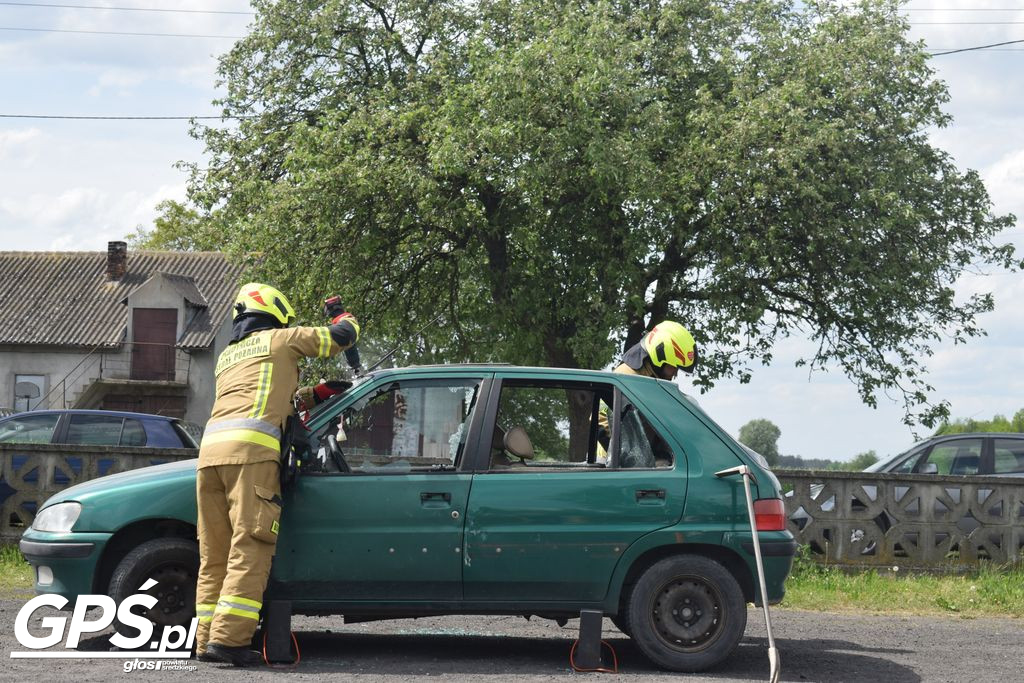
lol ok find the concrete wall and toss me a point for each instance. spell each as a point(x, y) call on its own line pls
point(202, 383)
point(51, 364)
point(875, 519)
point(34, 472)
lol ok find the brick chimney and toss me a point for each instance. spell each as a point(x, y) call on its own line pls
point(117, 260)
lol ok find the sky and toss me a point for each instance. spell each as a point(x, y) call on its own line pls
point(77, 184)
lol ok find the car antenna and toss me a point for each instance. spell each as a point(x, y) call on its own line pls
point(390, 353)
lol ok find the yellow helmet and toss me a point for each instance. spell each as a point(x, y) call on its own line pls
point(671, 343)
point(258, 298)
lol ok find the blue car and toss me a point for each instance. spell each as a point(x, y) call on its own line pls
point(95, 428)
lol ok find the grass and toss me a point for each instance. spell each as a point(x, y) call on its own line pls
point(15, 572)
point(992, 591)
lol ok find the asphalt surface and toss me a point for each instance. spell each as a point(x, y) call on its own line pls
point(813, 646)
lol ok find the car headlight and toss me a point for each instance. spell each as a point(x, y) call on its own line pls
point(59, 518)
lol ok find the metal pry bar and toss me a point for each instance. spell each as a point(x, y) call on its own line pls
point(773, 653)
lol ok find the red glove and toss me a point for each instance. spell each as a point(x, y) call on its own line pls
point(325, 390)
point(333, 308)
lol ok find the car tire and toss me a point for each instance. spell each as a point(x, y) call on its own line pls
point(621, 620)
point(174, 564)
point(687, 613)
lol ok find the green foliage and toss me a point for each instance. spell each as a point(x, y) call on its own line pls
point(997, 424)
point(990, 591)
point(862, 461)
point(179, 228)
point(858, 463)
point(15, 572)
point(557, 176)
point(763, 437)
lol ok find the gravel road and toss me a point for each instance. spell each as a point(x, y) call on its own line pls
point(813, 646)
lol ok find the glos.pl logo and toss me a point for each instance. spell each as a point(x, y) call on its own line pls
point(175, 641)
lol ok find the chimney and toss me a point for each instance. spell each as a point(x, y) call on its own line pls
point(117, 260)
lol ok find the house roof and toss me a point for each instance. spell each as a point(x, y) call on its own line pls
point(65, 299)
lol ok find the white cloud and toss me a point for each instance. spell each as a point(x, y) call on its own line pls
point(15, 144)
point(84, 218)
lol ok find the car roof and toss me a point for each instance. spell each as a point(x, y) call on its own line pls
point(941, 437)
point(85, 411)
point(580, 373)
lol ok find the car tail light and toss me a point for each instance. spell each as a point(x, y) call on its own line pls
point(770, 514)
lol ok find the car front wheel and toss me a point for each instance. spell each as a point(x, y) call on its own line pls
point(174, 564)
point(687, 613)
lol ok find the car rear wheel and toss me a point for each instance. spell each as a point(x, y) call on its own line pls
point(174, 564)
point(687, 613)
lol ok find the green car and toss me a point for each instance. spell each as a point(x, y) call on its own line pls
point(470, 489)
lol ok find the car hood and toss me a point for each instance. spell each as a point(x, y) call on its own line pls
point(143, 475)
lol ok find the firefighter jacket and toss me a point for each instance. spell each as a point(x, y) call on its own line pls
point(256, 379)
point(633, 362)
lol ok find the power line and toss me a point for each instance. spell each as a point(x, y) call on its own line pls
point(118, 118)
point(961, 9)
point(116, 33)
point(124, 9)
point(967, 23)
point(976, 47)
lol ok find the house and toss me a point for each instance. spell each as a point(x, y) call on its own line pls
point(117, 330)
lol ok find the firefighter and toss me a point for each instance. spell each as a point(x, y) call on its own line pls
point(663, 351)
point(660, 354)
point(237, 481)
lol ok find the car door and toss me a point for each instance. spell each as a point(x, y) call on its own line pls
point(391, 528)
point(547, 519)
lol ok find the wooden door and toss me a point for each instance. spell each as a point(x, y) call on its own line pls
point(154, 332)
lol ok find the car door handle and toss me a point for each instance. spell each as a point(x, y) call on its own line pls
point(647, 494)
point(435, 498)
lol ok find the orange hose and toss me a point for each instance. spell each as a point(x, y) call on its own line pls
point(615, 660)
point(298, 654)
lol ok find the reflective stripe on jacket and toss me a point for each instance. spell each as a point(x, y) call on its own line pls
point(256, 379)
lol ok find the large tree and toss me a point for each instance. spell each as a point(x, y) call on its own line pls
point(762, 436)
point(556, 176)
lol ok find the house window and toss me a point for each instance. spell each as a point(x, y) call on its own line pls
point(28, 391)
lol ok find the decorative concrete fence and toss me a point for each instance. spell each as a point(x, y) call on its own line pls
point(31, 473)
point(918, 521)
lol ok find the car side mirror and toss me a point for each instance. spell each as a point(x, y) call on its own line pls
point(929, 468)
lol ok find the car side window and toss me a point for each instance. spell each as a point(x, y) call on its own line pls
point(1009, 456)
point(29, 429)
point(545, 426)
point(133, 434)
point(94, 430)
point(561, 425)
point(960, 457)
point(408, 426)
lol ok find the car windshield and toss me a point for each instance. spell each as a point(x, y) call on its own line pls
point(885, 465)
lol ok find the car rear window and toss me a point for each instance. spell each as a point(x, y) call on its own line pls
point(189, 434)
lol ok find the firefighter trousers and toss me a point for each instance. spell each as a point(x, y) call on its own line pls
point(239, 515)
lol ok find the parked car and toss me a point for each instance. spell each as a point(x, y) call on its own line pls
point(469, 489)
point(983, 453)
point(95, 428)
